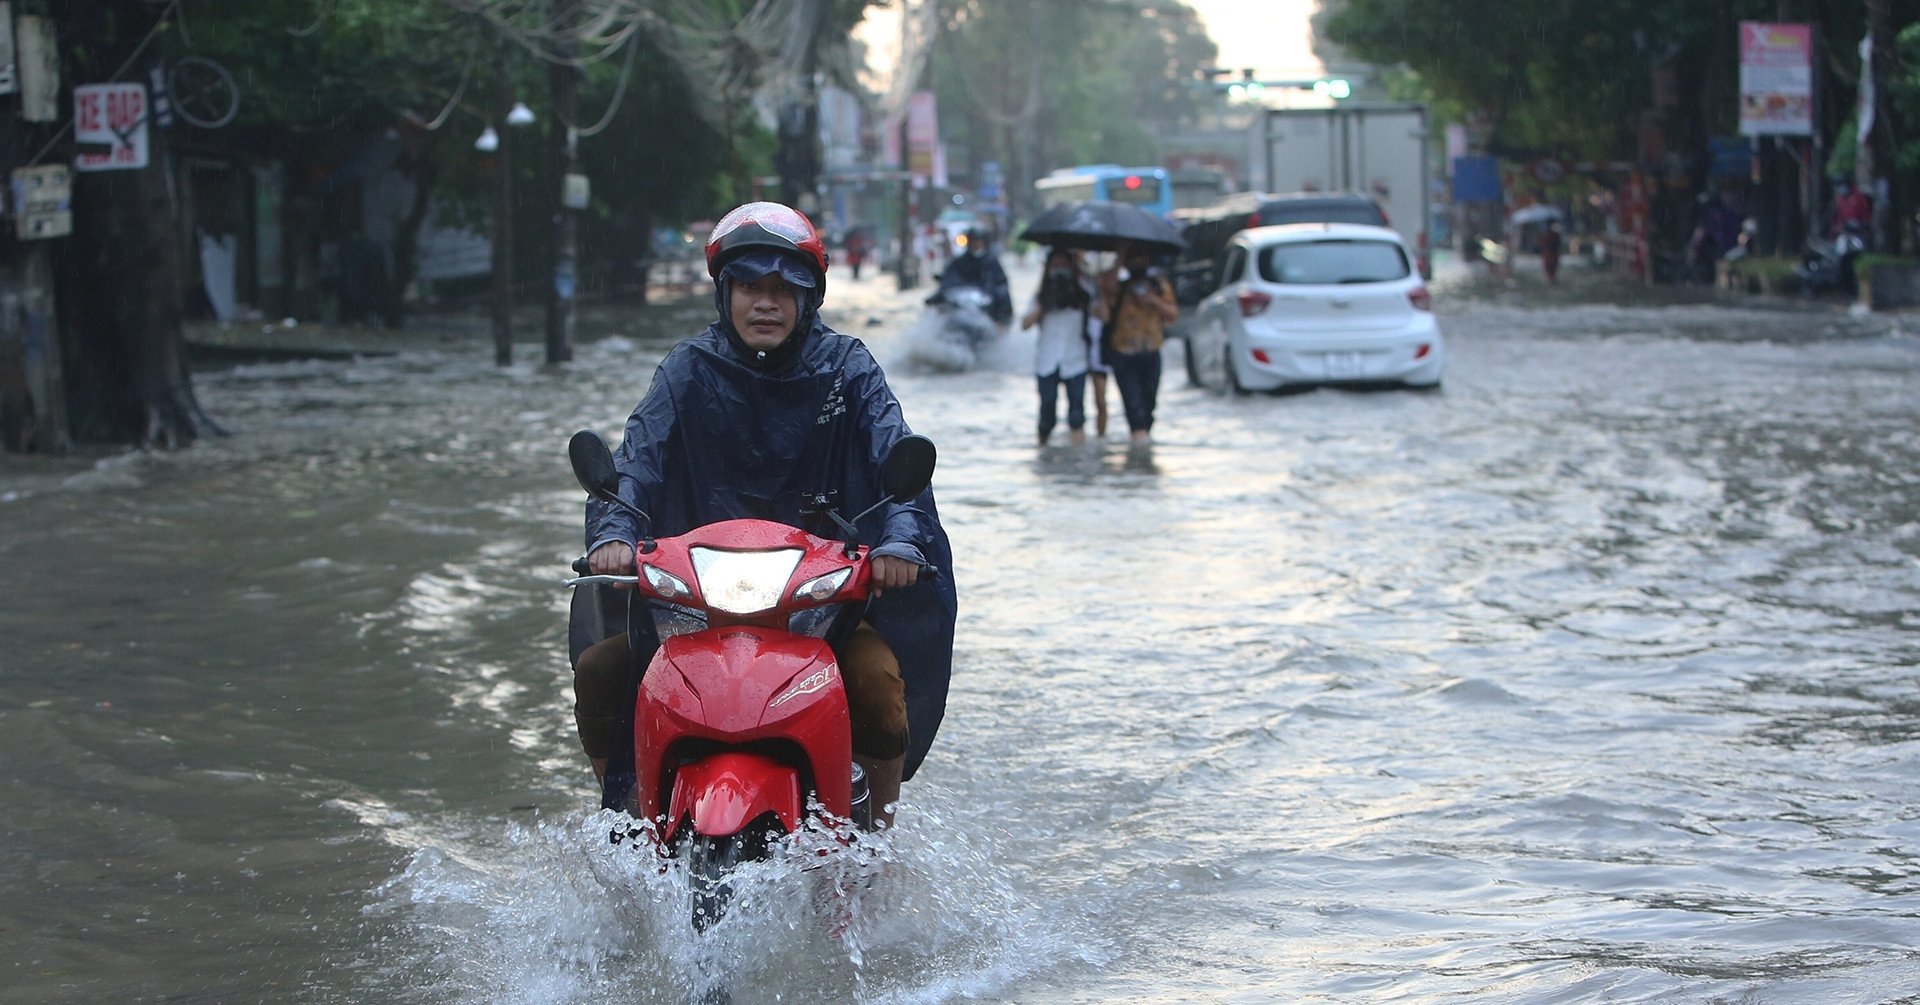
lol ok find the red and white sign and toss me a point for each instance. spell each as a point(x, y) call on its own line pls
point(113, 116)
point(1776, 79)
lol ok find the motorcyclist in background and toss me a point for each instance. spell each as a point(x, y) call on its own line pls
point(980, 268)
point(770, 414)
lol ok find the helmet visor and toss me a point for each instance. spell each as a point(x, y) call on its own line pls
point(772, 217)
point(758, 264)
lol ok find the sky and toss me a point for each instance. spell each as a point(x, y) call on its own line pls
point(1272, 37)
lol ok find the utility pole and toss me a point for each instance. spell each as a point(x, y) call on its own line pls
point(1876, 154)
point(906, 263)
point(563, 77)
point(798, 155)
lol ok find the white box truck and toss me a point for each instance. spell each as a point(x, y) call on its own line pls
point(1379, 150)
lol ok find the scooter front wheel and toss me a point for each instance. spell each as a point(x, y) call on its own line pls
point(709, 860)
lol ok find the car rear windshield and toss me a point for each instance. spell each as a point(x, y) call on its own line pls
point(1322, 212)
point(1329, 263)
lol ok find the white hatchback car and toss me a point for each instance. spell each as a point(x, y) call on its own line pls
point(1316, 303)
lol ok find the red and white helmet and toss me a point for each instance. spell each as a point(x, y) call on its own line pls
point(765, 226)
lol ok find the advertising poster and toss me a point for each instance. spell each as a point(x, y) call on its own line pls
point(1776, 79)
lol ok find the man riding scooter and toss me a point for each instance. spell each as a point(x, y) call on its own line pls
point(769, 414)
point(980, 269)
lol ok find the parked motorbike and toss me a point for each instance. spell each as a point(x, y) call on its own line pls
point(956, 328)
point(740, 726)
point(1828, 265)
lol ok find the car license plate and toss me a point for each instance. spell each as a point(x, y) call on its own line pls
point(1343, 364)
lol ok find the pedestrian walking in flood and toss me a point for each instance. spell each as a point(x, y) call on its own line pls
point(1140, 306)
point(1063, 308)
point(1550, 240)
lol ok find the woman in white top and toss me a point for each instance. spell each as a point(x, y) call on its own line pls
point(1062, 309)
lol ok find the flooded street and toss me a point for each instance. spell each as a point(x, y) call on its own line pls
point(1590, 677)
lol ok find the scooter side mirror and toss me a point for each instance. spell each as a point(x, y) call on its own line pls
point(593, 465)
point(908, 469)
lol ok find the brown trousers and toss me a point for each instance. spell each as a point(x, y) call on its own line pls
point(876, 698)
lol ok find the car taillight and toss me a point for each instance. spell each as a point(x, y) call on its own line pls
point(1252, 221)
point(1425, 348)
point(1252, 302)
point(1420, 298)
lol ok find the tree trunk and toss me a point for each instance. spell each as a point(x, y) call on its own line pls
point(118, 279)
point(126, 376)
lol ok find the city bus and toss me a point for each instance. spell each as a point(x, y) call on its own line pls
point(1145, 187)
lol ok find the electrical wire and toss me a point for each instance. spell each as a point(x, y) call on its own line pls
point(326, 7)
point(619, 93)
point(460, 89)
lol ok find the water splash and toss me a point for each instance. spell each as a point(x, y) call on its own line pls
point(554, 911)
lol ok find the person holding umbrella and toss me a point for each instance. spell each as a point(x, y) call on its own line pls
point(1139, 306)
point(1135, 300)
point(1063, 308)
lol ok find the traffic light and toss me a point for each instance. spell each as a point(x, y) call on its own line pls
point(1250, 86)
point(1333, 87)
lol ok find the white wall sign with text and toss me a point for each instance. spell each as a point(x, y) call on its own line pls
point(110, 127)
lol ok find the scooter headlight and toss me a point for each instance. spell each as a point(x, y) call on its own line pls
point(666, 584)
point(743, 582)
point(821, 587)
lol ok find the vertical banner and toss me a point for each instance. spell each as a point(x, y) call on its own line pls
point(923, 135)
point(1776, 79)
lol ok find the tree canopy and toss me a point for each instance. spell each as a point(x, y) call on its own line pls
point(1041, 84)
point(1581, 79)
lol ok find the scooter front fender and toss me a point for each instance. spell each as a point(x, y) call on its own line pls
point(724, 793)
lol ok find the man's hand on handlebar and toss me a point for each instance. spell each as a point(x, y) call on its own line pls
point(615, 558)
point(889, 572)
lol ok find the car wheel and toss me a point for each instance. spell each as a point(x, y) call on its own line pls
point(1192, 361)
point(1233, 375)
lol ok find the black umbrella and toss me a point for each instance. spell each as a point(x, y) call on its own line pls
point(1103, 226)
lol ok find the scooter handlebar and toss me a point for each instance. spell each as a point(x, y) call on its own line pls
point(581, 566)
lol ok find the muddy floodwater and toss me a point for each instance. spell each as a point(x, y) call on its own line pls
point(1590, 677)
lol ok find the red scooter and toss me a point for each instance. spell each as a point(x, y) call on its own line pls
point(740, 725)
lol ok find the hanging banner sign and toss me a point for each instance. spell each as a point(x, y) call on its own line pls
point(110, 127)
point(1776, 79)
point(923, 134)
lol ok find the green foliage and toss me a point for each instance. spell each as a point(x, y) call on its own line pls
point(335, 66)
point(1047, 84)
point(319, 78)
point(1903, 88)
point(1572, 78)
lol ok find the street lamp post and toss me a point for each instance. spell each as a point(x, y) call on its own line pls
point(564, 192)
point(495, 142)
